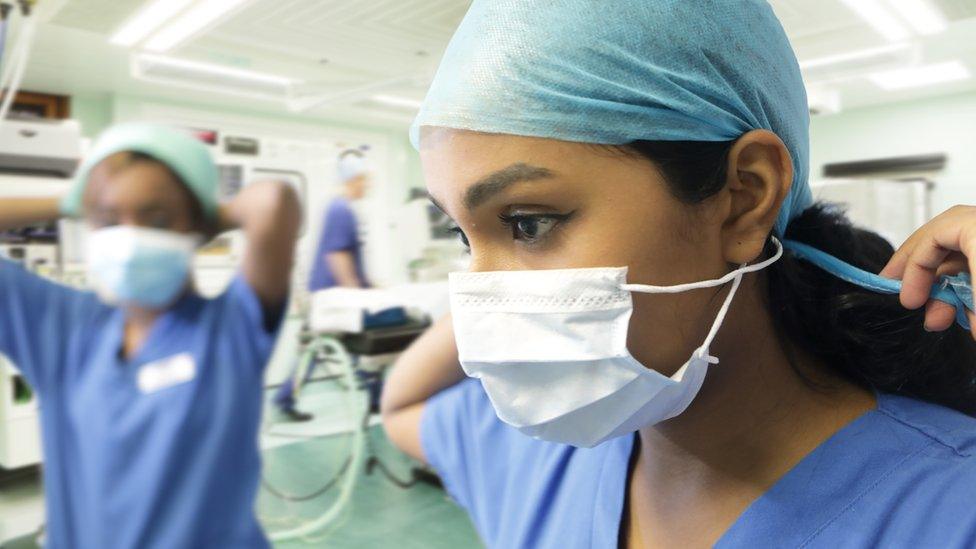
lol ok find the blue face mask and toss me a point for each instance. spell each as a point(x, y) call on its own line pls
point(138, 266)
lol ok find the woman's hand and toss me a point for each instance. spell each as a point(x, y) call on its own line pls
point(945, 245)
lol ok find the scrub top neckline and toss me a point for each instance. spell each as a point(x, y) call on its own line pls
point(794, 527)
point(159, 327)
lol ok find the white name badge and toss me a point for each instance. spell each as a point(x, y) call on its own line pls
point(167, 372)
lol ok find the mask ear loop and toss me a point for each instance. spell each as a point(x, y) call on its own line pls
point(742, 270)
point(702, 351)
point(734, 276)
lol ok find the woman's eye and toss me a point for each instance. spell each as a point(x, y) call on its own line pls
point(532, 228)
point(160, 222)
point(462, 236)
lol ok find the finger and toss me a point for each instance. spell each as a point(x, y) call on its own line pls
point(967, 246)
point(939, 316)
point(954, 264)
point(899, 260)
point(954, 229)
point(896, 265)
point(920, 273)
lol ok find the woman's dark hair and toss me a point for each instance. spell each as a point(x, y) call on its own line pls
point(864, 336)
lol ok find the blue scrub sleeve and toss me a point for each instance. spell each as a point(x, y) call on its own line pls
point(36, 320)
point(466, 443)
point(339, 230)
point(248, 321)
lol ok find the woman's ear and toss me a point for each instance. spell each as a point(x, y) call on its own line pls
point(760, 174)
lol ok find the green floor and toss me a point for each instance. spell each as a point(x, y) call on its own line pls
point(379, 513)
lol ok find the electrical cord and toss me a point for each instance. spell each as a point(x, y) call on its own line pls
point(320, 492)
point(373, 461)
point(310, 356)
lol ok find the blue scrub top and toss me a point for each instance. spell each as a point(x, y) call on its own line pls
point(133, 459)
point(903, 475)
point(339, 234)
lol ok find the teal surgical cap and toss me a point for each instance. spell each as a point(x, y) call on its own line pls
point(187, 157)
point(614, 72)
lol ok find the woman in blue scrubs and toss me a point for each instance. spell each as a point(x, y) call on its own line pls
point(632, 181)
point(151, 395)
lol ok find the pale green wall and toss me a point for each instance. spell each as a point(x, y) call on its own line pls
point(415, 175)
point(937, 125)
point(93, 111)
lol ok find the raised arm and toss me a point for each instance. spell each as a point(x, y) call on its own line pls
point(20, 212)
point(270, 216)
point(425, 368)
point(35, 314)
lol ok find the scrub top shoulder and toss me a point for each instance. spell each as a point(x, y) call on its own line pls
point(156, 451)
point(902, 475)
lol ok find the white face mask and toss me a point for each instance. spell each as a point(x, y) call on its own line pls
point(550, 349)
point(140, 266)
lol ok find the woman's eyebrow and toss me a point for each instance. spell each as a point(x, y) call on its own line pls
point(492, 184)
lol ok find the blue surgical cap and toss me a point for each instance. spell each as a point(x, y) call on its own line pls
point(622, 71)
point(350, 167)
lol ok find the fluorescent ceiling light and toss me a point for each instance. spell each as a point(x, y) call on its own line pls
point(147, 20)
point(215, 70)
point(395, 101)
point(921, 15)
point(875, 14)
point(916, 77)
point(191, 22)
point(211, 78)
point(858, 55)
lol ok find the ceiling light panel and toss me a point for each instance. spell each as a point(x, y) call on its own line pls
point(877, 15)
point(201, 16)
point(917, 77)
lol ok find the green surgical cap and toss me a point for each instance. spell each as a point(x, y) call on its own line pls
point(187, 157)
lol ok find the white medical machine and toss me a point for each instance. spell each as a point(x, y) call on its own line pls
point(427, 242)
point(893, 209)
point(37, 158)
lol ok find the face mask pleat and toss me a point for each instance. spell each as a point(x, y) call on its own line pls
point(550, 348)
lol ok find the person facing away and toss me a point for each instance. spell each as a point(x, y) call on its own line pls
point(151, 394)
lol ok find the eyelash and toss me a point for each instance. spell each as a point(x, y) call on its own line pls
point(512, 223)
point(464, 238)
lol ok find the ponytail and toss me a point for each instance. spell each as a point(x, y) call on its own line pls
point(862, 335)
point(866, 337)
